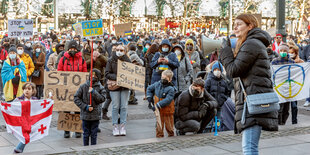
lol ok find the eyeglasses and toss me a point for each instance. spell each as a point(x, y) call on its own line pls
point(279, 37)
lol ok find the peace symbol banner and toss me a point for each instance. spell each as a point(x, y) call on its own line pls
point(291, 81)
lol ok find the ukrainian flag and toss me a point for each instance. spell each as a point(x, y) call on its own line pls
point(163, 67)
point(127, 33)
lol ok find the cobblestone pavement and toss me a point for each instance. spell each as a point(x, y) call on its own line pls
point(188, 142)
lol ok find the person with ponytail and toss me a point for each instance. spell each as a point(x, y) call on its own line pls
point(250, 62)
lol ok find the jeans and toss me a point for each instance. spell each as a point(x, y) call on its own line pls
point(250, 140)
point(90, 129)
point(20, 147)
point(119, 104)
point(294, 110)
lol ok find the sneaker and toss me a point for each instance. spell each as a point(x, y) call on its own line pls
point(17, 151)
point(307, 104)
point(99, 130)
point(122, 130)
point(78, 135)
point(67, 134)
point(116, 130)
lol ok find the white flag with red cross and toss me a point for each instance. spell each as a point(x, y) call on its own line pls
point(28, 120)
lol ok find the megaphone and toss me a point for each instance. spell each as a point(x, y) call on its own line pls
point(209, 45)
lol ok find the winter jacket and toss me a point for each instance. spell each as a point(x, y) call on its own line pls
point(165, 94)
point(28, 64)
point(51, 63)
point(188, 106)
point(148, 68)
point(39, 65)
point(184, 71)
point(3, 54)
point(75, 64)
point(218, 88)
point(81, 99)
point(111, 69)
point(252, 65)
point(282, 61)
point(305, 53)
point(100, 63)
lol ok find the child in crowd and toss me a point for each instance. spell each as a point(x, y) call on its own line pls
point(161, 95)
point(90, 113)
point(29, 92)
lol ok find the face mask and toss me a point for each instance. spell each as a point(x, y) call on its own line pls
point(72, 53)
point(38, 50)
point(189, 47)
point(113, 41)
point(147, 46)
point(291, 55)
point(12, 56)
point(36, 42)
point(178, 52)
point(119, 53)
point(283, 54)
point(78, 42)
point(164, 81)
point(95, 46)
point(165, 49)
point(304, 45)
point(20, 52)
point(95, 80)
point(28, 45)
point(217, 73)
point(196, 93)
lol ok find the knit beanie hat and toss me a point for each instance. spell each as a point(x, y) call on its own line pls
point(217, 65)
point(13, 49)
point(284, 47)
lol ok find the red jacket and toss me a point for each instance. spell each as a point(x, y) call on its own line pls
point(3, 54)
point(75, 64)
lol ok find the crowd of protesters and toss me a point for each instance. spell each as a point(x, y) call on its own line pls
point(187, 100)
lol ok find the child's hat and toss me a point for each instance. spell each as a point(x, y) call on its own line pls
point(217, 65)
point(284, 47)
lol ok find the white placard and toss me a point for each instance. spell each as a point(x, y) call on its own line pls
point(20, 28)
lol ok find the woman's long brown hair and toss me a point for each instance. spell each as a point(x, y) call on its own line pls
point(248, 19)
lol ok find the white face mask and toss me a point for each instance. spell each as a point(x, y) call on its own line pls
point(38, 50)
point(20, 52)
point(304, 45)
point(178, 52)
point(95, 46)
point(28, 45)
point(147, 46)
point(113, 41)
point(217, 73)
point(36, 42)
point(119, 53)
point(292, 55)
point(12, 56)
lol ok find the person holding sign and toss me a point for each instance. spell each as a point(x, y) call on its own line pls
point(90, 114)
point(119, 95)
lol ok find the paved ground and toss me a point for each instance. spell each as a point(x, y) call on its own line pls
point(291, 139)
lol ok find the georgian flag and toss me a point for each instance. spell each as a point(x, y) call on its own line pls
point(28, 120)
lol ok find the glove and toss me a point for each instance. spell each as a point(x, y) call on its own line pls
point(203, 110)
point(150, 99)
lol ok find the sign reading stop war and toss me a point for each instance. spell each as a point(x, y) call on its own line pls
point(69, 122)
point(92, 28)
point(63, 86)
point(130, 76)
point(20, 28)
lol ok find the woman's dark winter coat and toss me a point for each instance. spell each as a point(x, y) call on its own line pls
point(252, 65)
point(218, 88)
point(81, 99)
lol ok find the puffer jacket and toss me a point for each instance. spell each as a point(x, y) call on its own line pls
point(28, 64)
point(111, 69)
point(252, 65)
point(81, 99)
point(218, 88)
point(188, 106)
point(75, 64)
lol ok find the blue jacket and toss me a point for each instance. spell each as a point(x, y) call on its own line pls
point(161, 91)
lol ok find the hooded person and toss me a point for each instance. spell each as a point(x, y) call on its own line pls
point(13, 75)
point(193, 55)
point(26, 59)
point(51, 63)
point(164, 60)
point(184, 71)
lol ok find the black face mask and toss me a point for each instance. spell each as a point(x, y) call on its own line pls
point(95, 80)
point(196, 93)
point(140, 47)
point(189, 47)
point(164, 81)
point(72, 53)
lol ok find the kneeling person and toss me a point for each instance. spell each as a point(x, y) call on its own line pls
point(195, 108)
point(90, 114)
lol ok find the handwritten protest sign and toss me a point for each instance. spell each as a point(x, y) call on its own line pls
point(130, 76)
point(78, 29)
point(69, 122)
point(92, 28)
point(121, 29)
point(20, 28)
point(63, 86)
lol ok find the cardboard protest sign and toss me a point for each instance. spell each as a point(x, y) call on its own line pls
point(63, 86)
point(78, 29)
point(120, 29)
point(69, 122)
point(92, 28)
point(130, 76)
point(20, 28)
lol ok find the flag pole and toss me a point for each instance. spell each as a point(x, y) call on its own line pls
point(91, 69)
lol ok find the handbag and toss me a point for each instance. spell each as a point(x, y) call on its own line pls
point(259, 103)
point(112, 85)
point(36, 73)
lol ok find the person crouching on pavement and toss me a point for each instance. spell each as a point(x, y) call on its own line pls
point(195, 108)
point(90, 114)
point(161, 95)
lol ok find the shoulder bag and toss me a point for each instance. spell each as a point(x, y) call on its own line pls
point(259, 103)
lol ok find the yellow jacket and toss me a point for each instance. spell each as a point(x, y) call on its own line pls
point(28, 63)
